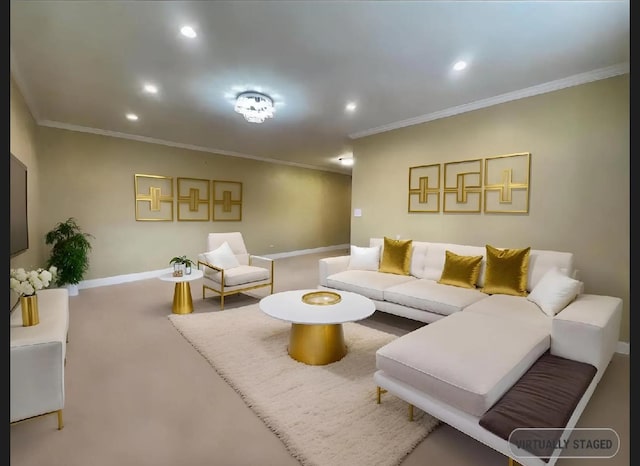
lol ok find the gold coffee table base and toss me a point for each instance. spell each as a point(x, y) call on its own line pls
point(317, 344)
point(182, 303)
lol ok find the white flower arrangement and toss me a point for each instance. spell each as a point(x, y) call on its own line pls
point(26, 283)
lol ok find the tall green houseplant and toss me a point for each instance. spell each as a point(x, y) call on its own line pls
point(70, 252)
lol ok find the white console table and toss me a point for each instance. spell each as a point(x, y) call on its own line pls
point(37, 358)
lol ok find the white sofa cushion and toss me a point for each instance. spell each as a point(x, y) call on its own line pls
point(431, 296)
point(512, 307)
point(362, 258)
point(540, 261)
point(366, 282)
point(554, 291)
point(468, 360)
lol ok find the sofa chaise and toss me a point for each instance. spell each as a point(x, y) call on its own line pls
point(502, 323)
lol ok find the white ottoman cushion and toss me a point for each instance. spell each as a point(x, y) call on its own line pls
point(467, 360)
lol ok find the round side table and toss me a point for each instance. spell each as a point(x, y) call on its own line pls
point(182, 302)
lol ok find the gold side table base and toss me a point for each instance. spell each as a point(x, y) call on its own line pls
point(317, 345)
point(182, 303)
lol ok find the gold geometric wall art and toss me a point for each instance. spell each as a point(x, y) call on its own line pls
point(424, 188)
point(154, 198)
point(506, 183)
point(227, 201)
point(194, 200)
point(463, 186)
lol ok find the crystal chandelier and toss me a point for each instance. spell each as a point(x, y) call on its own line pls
point(255, 107)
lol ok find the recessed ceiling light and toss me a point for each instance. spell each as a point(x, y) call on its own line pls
point(346, 161)
point(132, 116)
point(350, 107)
point(461, 65)
point(151, 89)
point(188, 31)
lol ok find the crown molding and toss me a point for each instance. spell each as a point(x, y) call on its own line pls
point(133, 137)
point(596, 75)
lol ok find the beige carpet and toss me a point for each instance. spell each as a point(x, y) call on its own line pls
point(325, 415)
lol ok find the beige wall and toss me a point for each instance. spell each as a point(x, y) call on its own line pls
point(91, 177)
point(579, 198)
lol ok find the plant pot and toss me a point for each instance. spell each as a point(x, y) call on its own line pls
point(29, 305)
point(72, 288)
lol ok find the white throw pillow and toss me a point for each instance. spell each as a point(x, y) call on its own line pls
point(554, 291)
point(364, 258)
point(222, 257)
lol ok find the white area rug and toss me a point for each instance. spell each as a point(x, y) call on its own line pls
point(325, 415)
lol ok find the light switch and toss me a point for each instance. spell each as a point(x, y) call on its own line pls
point(357, 212)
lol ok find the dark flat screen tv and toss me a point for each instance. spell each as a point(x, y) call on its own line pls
point(19, 237)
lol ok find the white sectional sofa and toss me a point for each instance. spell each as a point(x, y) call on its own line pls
point(479, 349)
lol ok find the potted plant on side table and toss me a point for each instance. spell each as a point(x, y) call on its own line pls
point(181, 265)
point(70, 253)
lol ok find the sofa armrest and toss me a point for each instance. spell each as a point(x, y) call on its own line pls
point(330, 265)
point(587, 330)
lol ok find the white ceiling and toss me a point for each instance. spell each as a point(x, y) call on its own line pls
point(81, 65)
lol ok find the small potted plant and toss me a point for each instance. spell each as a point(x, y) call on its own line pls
point(70, 253)
point(181, 264)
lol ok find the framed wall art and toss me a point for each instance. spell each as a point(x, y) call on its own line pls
point(154, 198)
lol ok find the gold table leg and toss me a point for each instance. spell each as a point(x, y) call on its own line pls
point(317, 345)
point(182, 303)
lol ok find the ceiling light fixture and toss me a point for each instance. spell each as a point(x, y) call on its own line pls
point(150, 88)
point(348, 161)
point(188, 31)
point(132, 116)
point(351, 106)
point(461, 65)
point(254, 106)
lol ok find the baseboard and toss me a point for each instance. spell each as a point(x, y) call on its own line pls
point(623, 347)
point(132, 277)
point(302, 252)
point(115, 280)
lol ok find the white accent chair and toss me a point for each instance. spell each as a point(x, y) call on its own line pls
point(238, 272)
point(38, 356)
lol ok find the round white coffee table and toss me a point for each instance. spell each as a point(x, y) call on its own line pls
point(316, 336)
point(182, 302)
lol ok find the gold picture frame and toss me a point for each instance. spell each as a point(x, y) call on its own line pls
point(193, 199)
point(506, 183)
point(153, 198)
point(424, 188)
point(227, 201)
point(463, 186)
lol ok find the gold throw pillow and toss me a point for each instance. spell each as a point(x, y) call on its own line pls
point(462, 271)
point(396, 256)
point(506, 271)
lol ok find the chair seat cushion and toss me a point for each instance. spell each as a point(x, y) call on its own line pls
point(239, 275)
point(467, 360)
